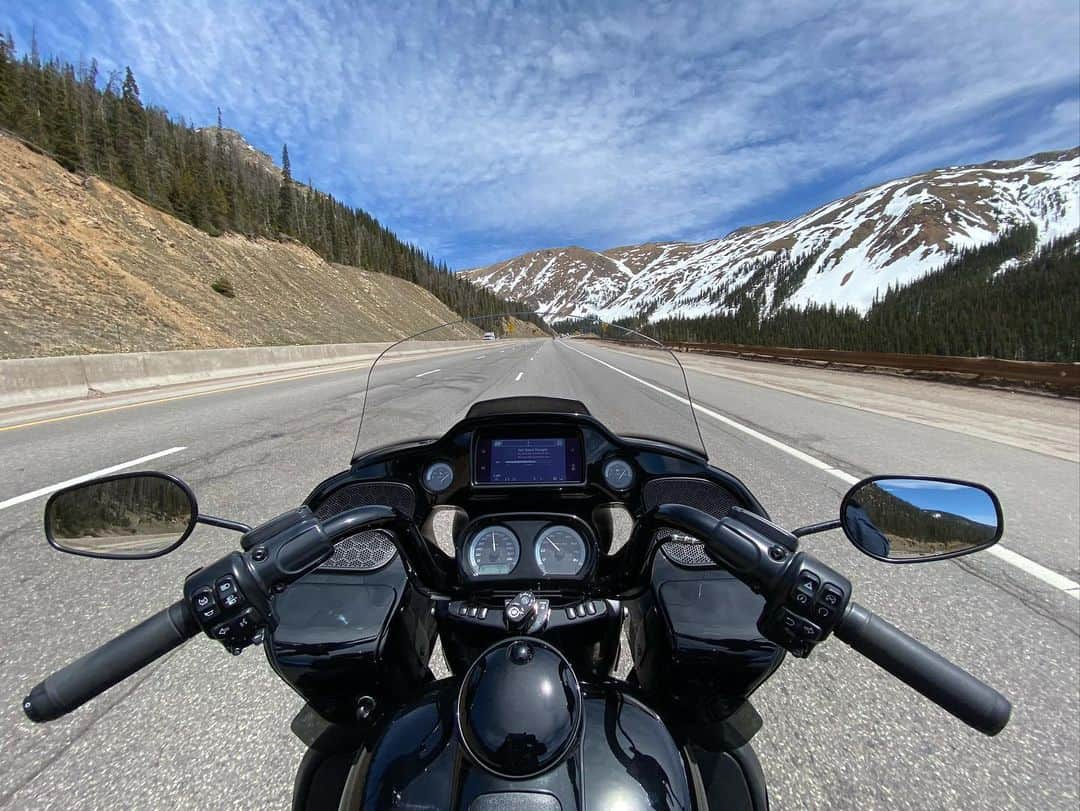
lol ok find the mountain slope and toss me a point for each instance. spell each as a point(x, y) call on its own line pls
point(86, 267)
point(210, 178)
point(845, 253)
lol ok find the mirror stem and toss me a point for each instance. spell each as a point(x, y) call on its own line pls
point(811, 529)
point(224, 523)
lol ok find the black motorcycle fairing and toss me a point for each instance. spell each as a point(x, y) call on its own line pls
point(347, 635)
point(697, 651)
point(626, 759)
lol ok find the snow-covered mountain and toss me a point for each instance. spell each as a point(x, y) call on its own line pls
point(845, 252)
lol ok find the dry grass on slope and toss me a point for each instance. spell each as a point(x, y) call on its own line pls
point(87, 268)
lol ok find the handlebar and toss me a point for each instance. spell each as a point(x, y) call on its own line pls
point(279, 552)
point(763, 561)
point(97, 671)
point(765, 557)
point(952, 688)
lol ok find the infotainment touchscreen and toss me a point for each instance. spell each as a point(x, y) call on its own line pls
point(528, 460)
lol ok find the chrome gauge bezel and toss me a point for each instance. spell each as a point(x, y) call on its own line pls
point(476, 537)
point(580, 540)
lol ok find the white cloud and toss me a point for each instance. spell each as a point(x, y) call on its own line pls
point(601, 124)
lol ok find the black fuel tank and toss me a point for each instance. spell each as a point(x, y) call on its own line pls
point(625, 758)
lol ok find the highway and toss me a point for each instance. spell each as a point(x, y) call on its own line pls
point(202, 729)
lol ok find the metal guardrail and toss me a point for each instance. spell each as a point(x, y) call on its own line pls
point(1061, 378)
point(1057, 378)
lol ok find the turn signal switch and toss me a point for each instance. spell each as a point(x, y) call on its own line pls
point(525, 614)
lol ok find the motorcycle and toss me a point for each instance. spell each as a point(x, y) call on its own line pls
point(526, 524)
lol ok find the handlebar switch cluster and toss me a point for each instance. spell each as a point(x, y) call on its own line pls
point(227, 602)
point(807, 607)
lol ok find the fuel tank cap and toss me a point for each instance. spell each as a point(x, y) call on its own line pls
point(519, 710)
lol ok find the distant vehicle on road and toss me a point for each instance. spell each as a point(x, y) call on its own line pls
point(489, 336)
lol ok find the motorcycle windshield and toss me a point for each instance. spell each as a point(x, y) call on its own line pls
point(419, 387)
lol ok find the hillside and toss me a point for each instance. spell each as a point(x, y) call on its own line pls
point(86, 267)
point(211, 178)
point(843, 254)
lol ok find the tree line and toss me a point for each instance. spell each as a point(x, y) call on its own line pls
point(100, 125)
point(1007, 299)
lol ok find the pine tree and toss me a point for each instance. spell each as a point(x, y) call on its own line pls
point(286, 210)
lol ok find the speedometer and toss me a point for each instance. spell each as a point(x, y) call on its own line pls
point(492, 550)
point(560, 551)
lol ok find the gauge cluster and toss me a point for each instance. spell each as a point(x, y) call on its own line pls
point(526, 548)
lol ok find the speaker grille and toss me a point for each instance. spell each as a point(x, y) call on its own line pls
point(688, 553)
point(700, 494)
point(717, 501)
point(372, 549)
point(363, 552)
point(366, 494)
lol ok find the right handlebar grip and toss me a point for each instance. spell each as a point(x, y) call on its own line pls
point(97, 671)
point(952, 688)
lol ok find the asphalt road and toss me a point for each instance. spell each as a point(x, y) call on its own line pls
point(203, 729)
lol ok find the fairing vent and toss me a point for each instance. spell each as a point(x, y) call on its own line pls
point(363, 552)
point(717, 501)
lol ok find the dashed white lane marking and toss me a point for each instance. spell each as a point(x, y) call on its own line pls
point(519, 376)
point(480, 356)
point(52, 488)
point(429, 372)
point(1037, 570)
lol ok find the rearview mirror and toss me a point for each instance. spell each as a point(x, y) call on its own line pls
point(132, 515)
point(914, 518)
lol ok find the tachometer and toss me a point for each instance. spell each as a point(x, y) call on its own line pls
point(560, 551)
point(492, 550)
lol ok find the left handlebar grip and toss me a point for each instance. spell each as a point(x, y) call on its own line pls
point(84, 679)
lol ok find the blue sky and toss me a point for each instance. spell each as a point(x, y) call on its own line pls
point(483, 129)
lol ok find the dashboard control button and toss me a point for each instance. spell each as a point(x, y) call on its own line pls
point(808, 584)
point(832, 596)
point(232, 599)
point(618, 475)
point(483, 614)
point(789, 621)
point(571, 612)
point(590, 607)
point(225, 586)
point(202, 600)
point(244, 626)
point(472, 611)
point(800, 598)
point(809, 631)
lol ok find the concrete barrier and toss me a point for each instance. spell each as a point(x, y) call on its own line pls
point(31, 381)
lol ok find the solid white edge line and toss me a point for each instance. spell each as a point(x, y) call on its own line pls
point(1037, 570)
point(429, 372)
point(52, 488)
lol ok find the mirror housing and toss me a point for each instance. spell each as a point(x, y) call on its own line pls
point(910, 519)
point(128, 516)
